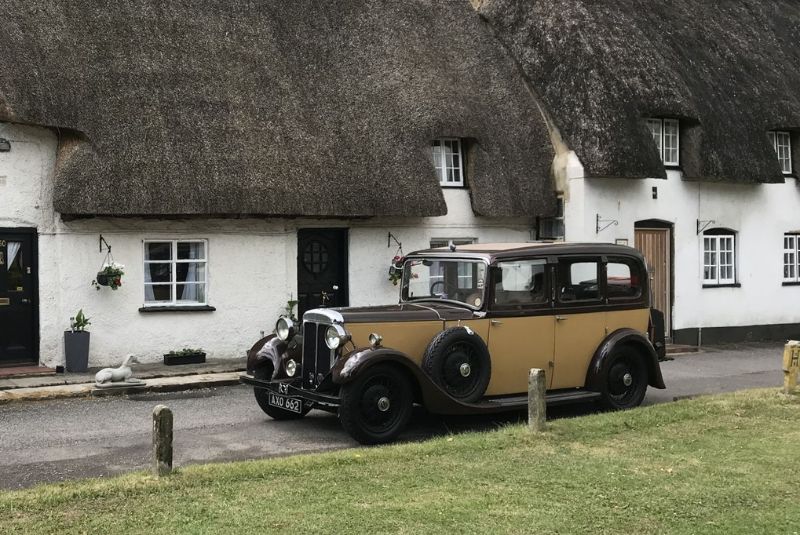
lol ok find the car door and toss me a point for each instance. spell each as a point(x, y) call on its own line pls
point(580, 318)
point(521, 324)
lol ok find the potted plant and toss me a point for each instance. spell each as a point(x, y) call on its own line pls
point(76, 343)
point(187, 355)
point(110, 275)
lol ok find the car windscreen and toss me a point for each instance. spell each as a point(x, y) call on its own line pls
point(443, 279)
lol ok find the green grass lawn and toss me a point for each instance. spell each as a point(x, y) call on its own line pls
point(724, 464)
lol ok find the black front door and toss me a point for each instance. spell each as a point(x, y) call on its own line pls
point(18, 329)
point(321, 268)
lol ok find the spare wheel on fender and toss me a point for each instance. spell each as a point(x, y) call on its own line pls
point(458, 361)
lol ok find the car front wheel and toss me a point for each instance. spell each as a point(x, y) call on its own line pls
point(377, 405)
point(625, 382)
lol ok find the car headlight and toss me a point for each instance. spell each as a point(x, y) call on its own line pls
point(284, 328)
point(291, 367)
point(336, 336)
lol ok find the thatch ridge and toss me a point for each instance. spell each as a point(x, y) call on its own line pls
point(271, 108)
point(730, 70)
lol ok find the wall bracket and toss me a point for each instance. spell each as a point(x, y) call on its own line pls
point(703, 224)
point(602, 224)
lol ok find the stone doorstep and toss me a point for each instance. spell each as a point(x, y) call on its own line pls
point(677, 349)
point(25, 371)
point(161, 384)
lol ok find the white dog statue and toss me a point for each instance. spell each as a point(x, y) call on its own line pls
point(117, 376)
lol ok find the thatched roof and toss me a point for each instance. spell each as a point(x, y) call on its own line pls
point(730, 70)
point(281, 108)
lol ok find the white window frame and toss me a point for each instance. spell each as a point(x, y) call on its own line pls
point(712, 264)
point(791, 257)
point(782, 143)
point(663, 139)
point(463, 275)
point(443, 166)
point(173, 271)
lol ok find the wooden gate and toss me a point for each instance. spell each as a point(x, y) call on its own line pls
point(655, 245)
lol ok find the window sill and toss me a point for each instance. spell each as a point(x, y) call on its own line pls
point(734, 285)
point(673, 167)
point(790, 283)
point(453, 186)
point(190, 308)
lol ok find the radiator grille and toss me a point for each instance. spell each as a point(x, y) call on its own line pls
point(317, 358)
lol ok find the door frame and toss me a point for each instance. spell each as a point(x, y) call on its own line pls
point(35, 343)
point(659, 224)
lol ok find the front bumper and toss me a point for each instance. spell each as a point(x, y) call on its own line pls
point(291, 388)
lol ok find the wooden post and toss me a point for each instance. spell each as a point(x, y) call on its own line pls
point(791, 364)
point(537, 412)
point(162, 440)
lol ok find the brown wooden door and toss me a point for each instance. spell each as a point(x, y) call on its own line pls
point(321, 267)
point(654, 244)
point(18, 329)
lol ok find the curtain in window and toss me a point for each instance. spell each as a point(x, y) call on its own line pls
point(13, 250)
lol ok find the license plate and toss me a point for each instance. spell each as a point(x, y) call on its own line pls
point(286, 403)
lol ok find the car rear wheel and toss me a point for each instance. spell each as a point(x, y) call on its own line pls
point(377, 405)
point(458, 361)
point(625, 382)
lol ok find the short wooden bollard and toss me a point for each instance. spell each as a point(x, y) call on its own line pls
point(791, 365)
point(162, 440)
point(537, 412)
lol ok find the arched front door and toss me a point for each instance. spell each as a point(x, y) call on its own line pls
point(654, 240)
point(321, 268)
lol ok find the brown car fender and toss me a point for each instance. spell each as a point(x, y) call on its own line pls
point(435, 399)
point(266, 357)
point(597, 368)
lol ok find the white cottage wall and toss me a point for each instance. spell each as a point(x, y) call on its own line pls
point(759, 213)
point(252, 263)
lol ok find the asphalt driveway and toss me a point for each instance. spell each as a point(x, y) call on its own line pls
point(74, 438)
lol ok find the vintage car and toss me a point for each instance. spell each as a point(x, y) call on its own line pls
point(471, 323)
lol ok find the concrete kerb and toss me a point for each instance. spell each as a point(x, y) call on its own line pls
point(160, 384)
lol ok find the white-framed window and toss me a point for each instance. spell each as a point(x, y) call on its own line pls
point(449, 162)
point(719, 258)
point(175, 272)
point(666, 136)
point(782, 143)
point(464, 269)
point(791, 257)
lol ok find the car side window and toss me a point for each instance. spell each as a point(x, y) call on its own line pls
point(519, 283)
point(623, 279)
point(578, 280)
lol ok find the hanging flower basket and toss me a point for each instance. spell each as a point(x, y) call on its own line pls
point(110, 275)
point(396, 269)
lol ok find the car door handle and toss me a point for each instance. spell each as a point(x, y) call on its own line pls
point(26, 300)
point(561, 318)
point(495, 322)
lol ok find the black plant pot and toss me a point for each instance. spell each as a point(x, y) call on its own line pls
point(193, 358)
point(102, 279)
point(76, 350)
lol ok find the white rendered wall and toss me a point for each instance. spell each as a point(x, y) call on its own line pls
point(759, 213)
point(252, 264)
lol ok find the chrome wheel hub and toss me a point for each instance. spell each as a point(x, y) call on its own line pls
point(627, 379)
point(465, 370)
point(384, 404)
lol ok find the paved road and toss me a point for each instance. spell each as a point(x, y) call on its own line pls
point(67, 439)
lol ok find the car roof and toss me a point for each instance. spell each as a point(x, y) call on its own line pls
point(497, 251)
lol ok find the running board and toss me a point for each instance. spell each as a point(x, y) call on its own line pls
point(555, 398)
